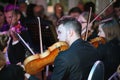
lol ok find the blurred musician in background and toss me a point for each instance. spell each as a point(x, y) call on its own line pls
point(16, 50)
point(109, 51)
point(13, 71)
point(47, 29)
point(74, 12)
point(3, 28)
point(58, 13)
point(3, 24)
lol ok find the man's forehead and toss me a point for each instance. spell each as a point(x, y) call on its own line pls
point(10, 13)
point(60, 26)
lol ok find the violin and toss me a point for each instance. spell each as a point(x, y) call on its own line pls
point(17, 28)
point(97, 41)
point(4, 36)
point(35, 63)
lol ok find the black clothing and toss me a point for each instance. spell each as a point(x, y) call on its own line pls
point(16, 53)
point(47, 31)
point(76, 62)
point(110, 55)
point(12, 72)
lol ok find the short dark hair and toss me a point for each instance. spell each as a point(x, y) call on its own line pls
point(88, 5)
point(75, 10)
point(70, 22)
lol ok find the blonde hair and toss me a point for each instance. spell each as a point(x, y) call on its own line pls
point(2, 60)
point(111, 30)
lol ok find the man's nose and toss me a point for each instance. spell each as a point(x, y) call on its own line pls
point(98, 33)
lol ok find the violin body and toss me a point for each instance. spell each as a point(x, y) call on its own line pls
point(35, 63)
point(97, 41)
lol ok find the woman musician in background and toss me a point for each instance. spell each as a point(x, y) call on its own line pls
point(101, 39)
point(110, 50)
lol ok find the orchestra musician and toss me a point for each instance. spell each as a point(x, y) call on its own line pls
point(3, 28)
point(16, 50)
point(110, 50)
point(13, 71)
point(75, 62)
point(91, 30)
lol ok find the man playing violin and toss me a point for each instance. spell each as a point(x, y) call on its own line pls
point(74, 63)
point(16, 51)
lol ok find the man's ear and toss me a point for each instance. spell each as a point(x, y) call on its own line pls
point(71, 32)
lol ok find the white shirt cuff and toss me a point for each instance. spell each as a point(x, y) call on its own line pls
point(15, 42)
point(27, 75)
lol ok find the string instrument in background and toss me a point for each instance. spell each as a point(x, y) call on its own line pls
point(97, 41)
point(89, 23)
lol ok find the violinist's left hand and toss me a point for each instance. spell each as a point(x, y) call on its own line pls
point(13, 34)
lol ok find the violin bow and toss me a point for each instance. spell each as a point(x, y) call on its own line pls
point(23, 41)
point(41, 45)
point(103, 10)
point(88, 21)
point(26, 45)
point(40, 35)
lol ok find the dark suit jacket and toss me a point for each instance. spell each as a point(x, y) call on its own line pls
point(33, 78)
point(13, 72)
point(75, 63)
